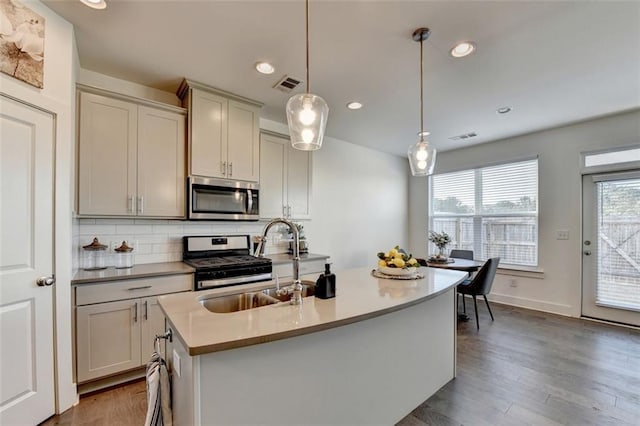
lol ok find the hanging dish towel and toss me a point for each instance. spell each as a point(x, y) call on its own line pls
point(158, 393)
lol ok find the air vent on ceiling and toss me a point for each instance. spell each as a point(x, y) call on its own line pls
point(287, 84)
point(464, 136)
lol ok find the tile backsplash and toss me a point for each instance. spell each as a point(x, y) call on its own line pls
point(161, 240)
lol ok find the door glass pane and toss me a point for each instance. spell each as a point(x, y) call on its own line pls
point(618, 266)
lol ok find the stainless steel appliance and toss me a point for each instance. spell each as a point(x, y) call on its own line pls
point(223, 261)
point(219, 199)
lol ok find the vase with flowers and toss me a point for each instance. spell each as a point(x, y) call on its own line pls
point(303, 246)
point(440, 240)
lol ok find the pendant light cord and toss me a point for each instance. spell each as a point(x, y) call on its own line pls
point(307, 35)
point(421, 96)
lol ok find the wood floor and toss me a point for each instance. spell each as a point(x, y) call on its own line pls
point(526, 368)
point(120, 406)
point(533, 368)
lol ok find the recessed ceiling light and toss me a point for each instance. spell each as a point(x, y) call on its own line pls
point(265, 68)
point(503, 110)
point(95, 4)
point(424, 133)
point(354, 105)
point(463, 49)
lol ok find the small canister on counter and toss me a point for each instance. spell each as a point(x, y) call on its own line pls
point(95, 256)
point(124, 256)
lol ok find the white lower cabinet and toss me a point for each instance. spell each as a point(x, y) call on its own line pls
point(117, 336)
point(108, 337)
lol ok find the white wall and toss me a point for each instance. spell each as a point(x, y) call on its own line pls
point(360, 203)
point(558, 289)
point(57, 96)
point(95, 79)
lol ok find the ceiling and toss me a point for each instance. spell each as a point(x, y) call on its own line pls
point(552, 62)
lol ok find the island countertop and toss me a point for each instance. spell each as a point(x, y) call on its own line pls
point(359, 296)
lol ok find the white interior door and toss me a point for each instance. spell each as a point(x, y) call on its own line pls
point(26, 264)
point(611, 247)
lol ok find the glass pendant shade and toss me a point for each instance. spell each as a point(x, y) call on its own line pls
point(307, 117)
point(422, 158)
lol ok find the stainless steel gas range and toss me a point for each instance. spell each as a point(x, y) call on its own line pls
point(223, 260)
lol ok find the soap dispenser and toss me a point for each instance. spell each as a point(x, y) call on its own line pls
point(325, 287)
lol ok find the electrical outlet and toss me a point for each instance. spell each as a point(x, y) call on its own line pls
point(562, 234)
point(513, 283)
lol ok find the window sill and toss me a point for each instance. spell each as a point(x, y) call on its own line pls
point(521, 271)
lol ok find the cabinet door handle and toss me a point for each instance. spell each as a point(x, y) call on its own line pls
point(130, 204)
point(146, 316)
point(284, 212)
point(289, 211)
point(230, 169)
point(139, 288)
point(223, 168)
point(135, 312)
point(141, 204)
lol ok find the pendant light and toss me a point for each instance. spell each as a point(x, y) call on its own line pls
point(422, 155)
point(307, 113)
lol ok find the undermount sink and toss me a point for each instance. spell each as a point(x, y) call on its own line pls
point(252, 299)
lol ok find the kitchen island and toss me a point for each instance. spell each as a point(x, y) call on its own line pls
point(369, 356)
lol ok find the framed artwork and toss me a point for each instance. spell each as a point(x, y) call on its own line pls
point(21, 42)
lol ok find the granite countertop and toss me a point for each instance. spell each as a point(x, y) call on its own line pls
point(280, 258)
point(359, 296)
point(137, 271)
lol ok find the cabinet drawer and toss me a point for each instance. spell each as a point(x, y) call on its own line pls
point(87, 294)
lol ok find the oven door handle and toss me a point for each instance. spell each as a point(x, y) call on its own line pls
point(246, 279)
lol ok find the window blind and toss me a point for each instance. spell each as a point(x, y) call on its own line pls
point(491, 210)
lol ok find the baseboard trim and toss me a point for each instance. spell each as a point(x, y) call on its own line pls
point(107, 382)
point(537, 305)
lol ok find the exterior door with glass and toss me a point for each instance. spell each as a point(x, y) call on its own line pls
point(611, 247)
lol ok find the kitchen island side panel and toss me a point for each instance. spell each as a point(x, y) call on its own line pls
point(370, 372)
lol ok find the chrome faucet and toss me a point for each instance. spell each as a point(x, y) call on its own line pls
point(296, 288)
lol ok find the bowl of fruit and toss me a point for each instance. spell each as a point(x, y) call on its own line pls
point(397, 262)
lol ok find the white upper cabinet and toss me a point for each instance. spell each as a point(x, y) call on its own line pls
point(107, 156)
point(285, 179)
point(161, 163)
point(208, 136)
point(131, 159)
point(223, 133)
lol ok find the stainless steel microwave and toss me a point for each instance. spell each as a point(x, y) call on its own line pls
point(219, 199)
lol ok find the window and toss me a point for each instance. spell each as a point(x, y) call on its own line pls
point(611, 157)
point(491, 210)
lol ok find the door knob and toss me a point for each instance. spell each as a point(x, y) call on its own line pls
point(587, 252)
point(45, 281)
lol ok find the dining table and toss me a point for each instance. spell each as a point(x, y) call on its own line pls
point(466, 265)
point(457, 264)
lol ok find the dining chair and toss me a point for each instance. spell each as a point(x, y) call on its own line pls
point(461, 254)
point(480, 285)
